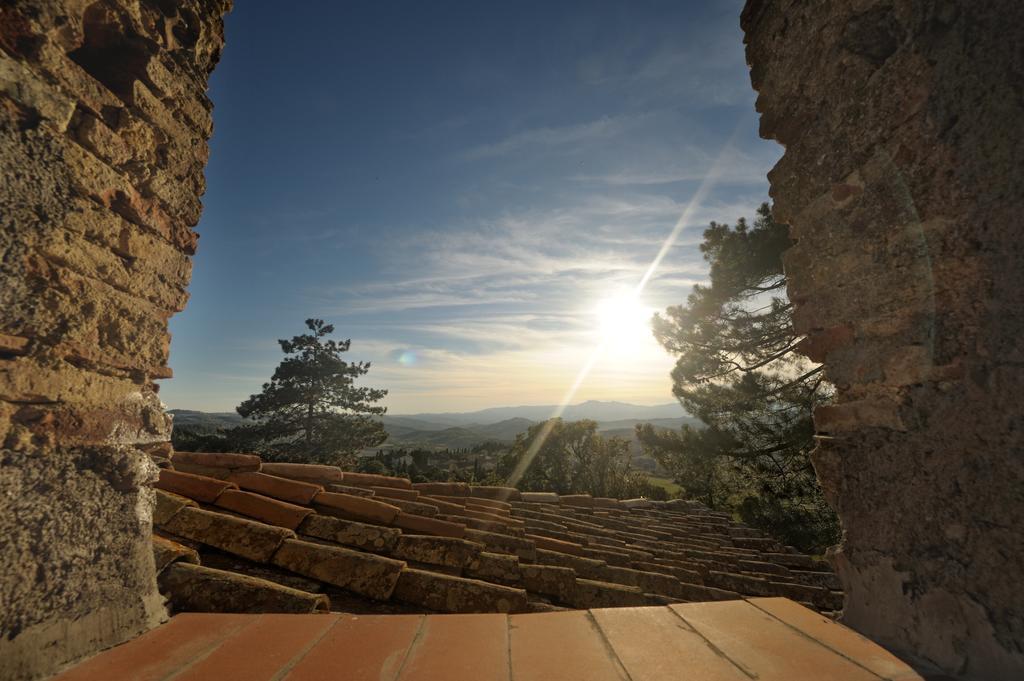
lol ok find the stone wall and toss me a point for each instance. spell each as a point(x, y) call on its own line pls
point(103, 129)
point(903, 124)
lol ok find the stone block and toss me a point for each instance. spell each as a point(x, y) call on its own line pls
point(581, 500)
point(361, 573)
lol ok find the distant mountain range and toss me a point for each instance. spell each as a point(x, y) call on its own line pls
point(205, 420)
point(457, 430)
point(592, 409)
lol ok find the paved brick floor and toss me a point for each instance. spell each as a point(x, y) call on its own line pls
point(769, 639)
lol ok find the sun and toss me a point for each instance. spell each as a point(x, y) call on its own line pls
point(624, 323)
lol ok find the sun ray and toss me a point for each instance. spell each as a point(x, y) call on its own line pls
point(707, 183)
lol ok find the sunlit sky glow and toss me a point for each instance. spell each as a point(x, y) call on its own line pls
point(474, 193)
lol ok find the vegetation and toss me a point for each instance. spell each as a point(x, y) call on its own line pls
point(311, 410)
point(738, 372)
point(571, 458)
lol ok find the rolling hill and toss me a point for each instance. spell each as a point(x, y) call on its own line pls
point(464, 430)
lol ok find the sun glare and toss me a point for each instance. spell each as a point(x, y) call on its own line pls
point(624, 323)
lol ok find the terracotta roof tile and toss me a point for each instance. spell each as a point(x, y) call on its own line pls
point(295, 491)
point(752, 639)
point(643, 644)
point(308, 472)
point(197, 588)
point(360, 649)
point(496, 493)
point(444, 504)
point(167, 504)
point(464, 540)
point(446, 593)
point(497, 568)
point(358, 508)
point(395, 493)
point(421, 525)
point(245, 538)
point(560, 646)
point(349, 489)
point(271, 511)
point(443, 489)
point(634, 633)
point(584, 500)
point(425, 508)
point(257, 652)
point(371, 480)
point(460, 647)
point(362, 573)
point(350, 532)
point(442, 551)
point(214, 465)
point(541, 497)
point(549, 544)
point(166, 552)
point(198, 487)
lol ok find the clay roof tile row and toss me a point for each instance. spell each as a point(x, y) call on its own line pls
point(381, 543)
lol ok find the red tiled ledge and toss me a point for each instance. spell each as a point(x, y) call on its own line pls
point(770, 639)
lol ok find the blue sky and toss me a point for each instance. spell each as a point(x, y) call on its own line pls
point(458, 187)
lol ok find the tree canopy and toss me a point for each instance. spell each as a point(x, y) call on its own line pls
point(738, 372)
point(311, 410)
point(571, 458)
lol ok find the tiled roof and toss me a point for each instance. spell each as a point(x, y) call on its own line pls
point(238, 535)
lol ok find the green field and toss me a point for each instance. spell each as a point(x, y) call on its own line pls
point(665, 483)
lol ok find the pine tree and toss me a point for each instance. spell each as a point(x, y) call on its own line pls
point(739, 373)
point(311, 410)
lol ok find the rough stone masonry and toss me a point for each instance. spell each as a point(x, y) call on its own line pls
point(103, 129)
point(903, 185)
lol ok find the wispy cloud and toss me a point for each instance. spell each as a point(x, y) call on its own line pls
point(546, 138)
